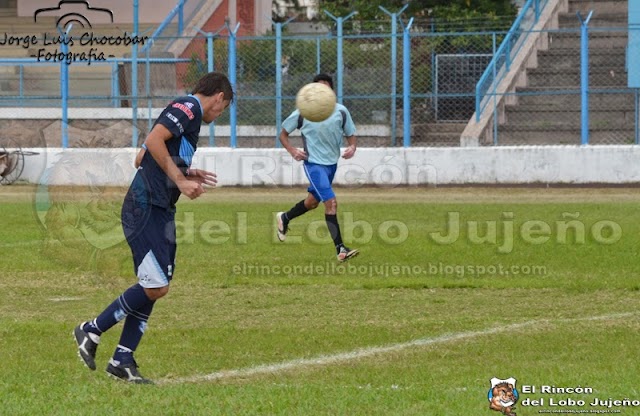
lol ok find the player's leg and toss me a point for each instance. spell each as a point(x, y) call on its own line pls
point(325, 190)
point(148, 242)
point(302, 207)
point(154, 273)
point(88, 333)
point(134, 217)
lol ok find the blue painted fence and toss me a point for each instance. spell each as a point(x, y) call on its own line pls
point(408, 90)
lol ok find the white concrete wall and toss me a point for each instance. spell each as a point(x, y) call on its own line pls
point(381, 167)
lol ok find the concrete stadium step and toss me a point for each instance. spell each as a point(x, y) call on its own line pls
point(431, 139)
point(9, 53)
point(613, 76)
point(565, 99)
point(9, 70)
point(597, 39)
point(26, 25)
point(436, 134)
point(548, 110)
point(54, 82)
point(442, 127)
point(562, 59)
point(562, 135)
point(52, 102)
point(598, 6)
point(10, 23)
point(77, 86)
point(544, 115)
point(600, 20)
point(75, 70)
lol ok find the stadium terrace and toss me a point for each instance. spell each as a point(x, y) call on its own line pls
point(90, 39)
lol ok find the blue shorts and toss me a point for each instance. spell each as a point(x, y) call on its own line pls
point(151, 234)
point(320, 177)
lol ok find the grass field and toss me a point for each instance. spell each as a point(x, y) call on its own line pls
point(452, 288)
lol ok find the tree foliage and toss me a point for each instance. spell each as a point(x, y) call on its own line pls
point(369, 10)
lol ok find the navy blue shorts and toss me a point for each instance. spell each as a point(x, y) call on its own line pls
point(151, 234)
point(320, 179)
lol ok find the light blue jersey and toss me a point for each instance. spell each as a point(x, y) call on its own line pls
point(322, 140)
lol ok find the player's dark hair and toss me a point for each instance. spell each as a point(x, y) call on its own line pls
point(213, 83)
point(324, 77)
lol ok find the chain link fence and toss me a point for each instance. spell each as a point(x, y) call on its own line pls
point(368, 63)
point(548, 109)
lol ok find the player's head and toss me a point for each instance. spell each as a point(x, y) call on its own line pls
point(325, 79)
point(215, 93)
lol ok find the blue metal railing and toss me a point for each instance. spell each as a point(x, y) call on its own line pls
point(254, 92)
point(506, 52)
point(178, 10)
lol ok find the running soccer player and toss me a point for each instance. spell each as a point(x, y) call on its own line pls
point(322, 141)
point(147, 218)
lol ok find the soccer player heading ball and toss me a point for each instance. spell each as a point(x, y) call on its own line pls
point(322, 141)
point(148, 215)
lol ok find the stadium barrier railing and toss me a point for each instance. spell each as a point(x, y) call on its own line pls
point(412, 85)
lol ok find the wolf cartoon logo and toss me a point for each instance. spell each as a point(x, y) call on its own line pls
point(82, 221)
point(503, 396)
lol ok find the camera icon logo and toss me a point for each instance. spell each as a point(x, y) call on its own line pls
point(74, 11)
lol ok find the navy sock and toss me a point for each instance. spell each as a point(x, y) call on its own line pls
point(130, 301)
point(334, 229)
point(134, 327)
point(297, 210)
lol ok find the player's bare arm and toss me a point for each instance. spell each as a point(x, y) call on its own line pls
point(297, 154)
point(351, 149)
point(156, 146)
point(139, 157)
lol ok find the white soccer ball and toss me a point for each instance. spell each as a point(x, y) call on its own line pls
point(316, 101)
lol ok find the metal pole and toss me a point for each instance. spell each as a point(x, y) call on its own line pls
point(278, 81)
point(584, 77)
point(434, 81)
point(114, 84)
point(210, 68)
point(495, 97)
point(21, 84)
point(278, 27)
point(406, 85)
point(233, 111)
point(637, 114)
point(64, 90)
point(212, 125)
point(180, 18)
point(394, 68)
point(318, 66)
point(394, 75)
point(340, 61)
point(134, 77)
point(434, 67)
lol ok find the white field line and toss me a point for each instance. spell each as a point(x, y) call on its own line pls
point(42, 241)
point(65, 299)
point(323, 360)
point(21, 243)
